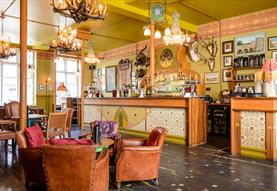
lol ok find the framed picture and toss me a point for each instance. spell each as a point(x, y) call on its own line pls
point(111, 78)
point(41, 87)
point(274, 55)
point(272, 43)
point(228, 60)
point(228, 47)
point(211, 77)
point(250, 44)
point(227, 75)
point(99, 72)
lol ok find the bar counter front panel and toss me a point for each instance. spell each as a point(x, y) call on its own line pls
point(139, 116)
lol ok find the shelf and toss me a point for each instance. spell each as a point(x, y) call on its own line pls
point(243, 80)
point(247, 68)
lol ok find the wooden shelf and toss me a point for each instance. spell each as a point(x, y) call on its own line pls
point(247, 68)
point(243, 80)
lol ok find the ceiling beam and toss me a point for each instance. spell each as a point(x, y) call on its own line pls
point(122, 8)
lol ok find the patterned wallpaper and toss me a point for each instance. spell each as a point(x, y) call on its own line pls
point(240, 24)
point(253, 129)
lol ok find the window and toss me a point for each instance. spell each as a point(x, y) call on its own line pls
point(66, 73)
point(10, 79)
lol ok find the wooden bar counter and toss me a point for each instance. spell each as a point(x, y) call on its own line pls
point(253, 127)
point(184, 117)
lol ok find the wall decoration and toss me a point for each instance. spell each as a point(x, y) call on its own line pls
point(211, 77)
point(250, 44)
point(166, 58)
point(274, 55)
point(228, 47)
point(41, 87)
point(211, 46)
point(272, 43)
point(227, 60)
point(227, 75)
point(124, 72)
point(141, 63)
point(111, 78)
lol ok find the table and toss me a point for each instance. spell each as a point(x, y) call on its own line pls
point(31, 118)
point(105, 143)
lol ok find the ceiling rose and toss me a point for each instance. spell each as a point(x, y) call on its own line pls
point(80, 10)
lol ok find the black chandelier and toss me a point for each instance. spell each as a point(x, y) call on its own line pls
point(80, 10)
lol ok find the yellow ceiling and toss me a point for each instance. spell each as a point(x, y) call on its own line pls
point(125, 20)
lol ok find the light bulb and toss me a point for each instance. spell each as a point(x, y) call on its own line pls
point(147, 31)
point(167, 32)
point(157, 34)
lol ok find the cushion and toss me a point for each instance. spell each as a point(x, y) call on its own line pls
point(108, 129)
point(34, 136)
point(153, 138)
point(71, 141)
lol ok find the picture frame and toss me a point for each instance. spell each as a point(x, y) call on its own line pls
point(228, 47)
point(250, 44)
point(228, 60)
point(211, 77)
point(227, 75)
point(272, 43)
point(99, 72)
point(41, 87)
point(274, 55)
point(111, 78)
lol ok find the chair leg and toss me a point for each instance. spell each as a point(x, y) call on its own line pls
point(118, 185)
point(13, 145)
point(6, 147)
point(69, 133)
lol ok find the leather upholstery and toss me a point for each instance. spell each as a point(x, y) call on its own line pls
point(75, 168)
point(31, 160)
point(135, 161)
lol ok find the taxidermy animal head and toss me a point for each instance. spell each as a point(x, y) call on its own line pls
point(211, 47)
point(142, 59)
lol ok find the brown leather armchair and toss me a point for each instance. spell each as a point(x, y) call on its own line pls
point(136, 161)
point(75, 167)
point(31, 160)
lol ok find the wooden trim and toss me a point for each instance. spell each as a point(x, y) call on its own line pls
point(263, 104)
point(23, 64)
point(270, 135)
point(235, 133)
point(139, 102)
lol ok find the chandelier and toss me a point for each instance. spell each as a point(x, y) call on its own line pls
point(91, 58)
point(67, 41)
point(5, 49)
point(175, 35)
point(80, 10)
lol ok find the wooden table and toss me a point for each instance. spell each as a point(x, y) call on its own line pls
point(31, 118)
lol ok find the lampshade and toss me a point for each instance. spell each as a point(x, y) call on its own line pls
point(157, 34)
point(61, 87)
point(147, 31)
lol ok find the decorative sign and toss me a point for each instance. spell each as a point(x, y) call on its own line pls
point(157, 12)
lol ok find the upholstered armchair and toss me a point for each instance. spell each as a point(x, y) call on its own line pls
point(31, 160)
point(75, 167)
point(139, 159)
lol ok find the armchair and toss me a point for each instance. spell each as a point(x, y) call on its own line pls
point(31, 160)
point(139, 159)
point(75, 167)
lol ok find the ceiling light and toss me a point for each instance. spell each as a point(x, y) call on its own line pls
point(5, 50)
point(91, 58)
point(167, 31)
point(176, 36)
point(80, 10)
point(67, 41)
point(147, 31)
point(61, 87)
point(157, 34)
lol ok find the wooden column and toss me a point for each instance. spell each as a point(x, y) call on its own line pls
point(270, 135)
point(152, 53)
point(235, 133)
point(82, 84)
point(23, 64)
point(54, 80)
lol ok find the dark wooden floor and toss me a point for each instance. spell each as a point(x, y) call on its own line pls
point(182, 168)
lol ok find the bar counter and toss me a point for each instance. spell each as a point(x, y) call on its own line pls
point(253, 127)
point(185, 118)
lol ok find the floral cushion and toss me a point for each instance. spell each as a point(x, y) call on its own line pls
point(34, 136)
point(108, 129)
point(71, 141)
